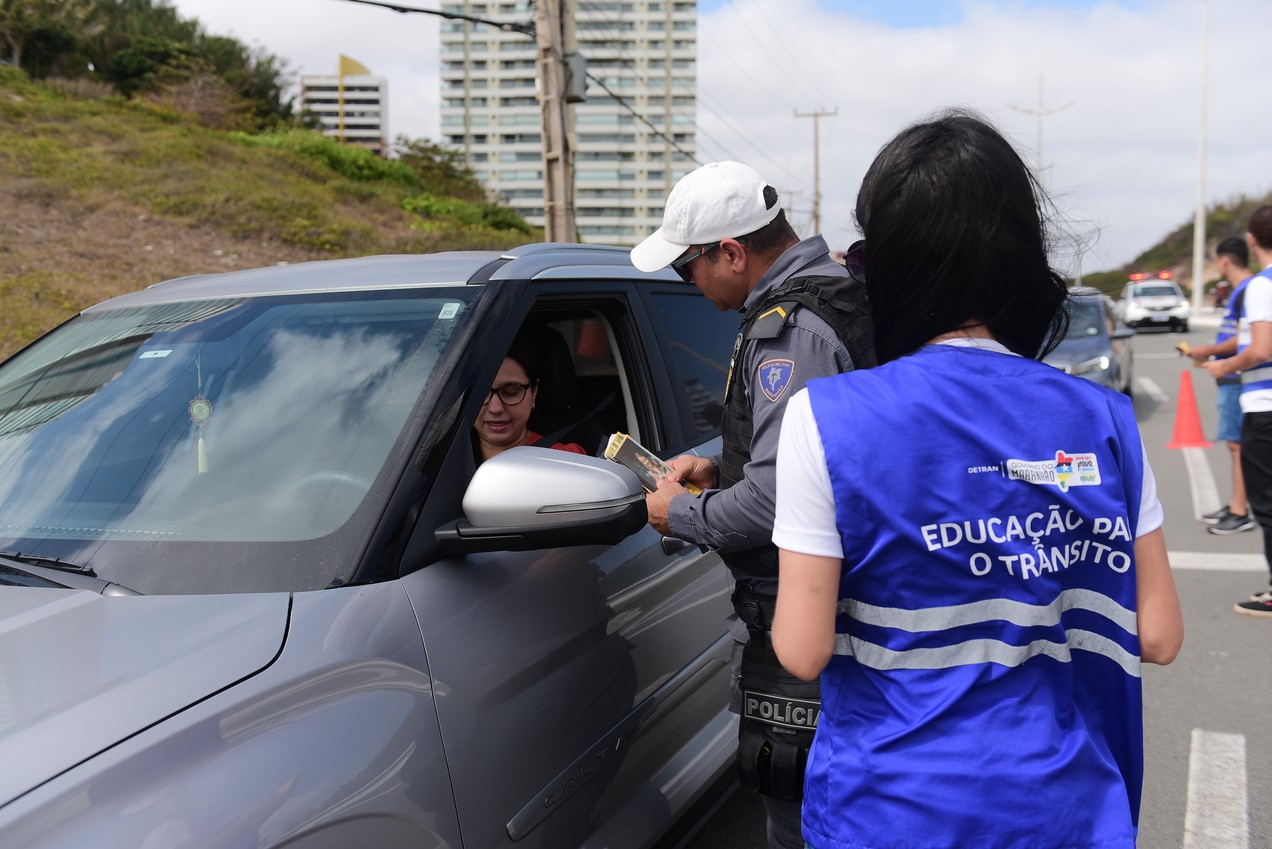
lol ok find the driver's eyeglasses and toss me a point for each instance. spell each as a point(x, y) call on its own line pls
point(681, 266)
point(511, 394)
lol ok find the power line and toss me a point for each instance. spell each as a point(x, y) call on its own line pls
point(746, 137)
point(621, 101)
point(524, 29)
point(764, 44)
point(793, 57)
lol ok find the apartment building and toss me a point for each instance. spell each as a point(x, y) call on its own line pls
point(351, 105)
point(631, 143)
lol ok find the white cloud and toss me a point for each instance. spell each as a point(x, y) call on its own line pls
point(1121, 161)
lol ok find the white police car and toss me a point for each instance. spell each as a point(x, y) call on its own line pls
point(1154, 302)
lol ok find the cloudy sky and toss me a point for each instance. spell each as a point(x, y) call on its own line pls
point(1120, 153)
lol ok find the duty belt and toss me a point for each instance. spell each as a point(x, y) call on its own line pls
point(779, 712)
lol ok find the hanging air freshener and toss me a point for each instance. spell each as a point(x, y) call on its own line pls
point(200, 412)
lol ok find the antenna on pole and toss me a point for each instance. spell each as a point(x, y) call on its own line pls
point(1040, 112)
point(816, 116)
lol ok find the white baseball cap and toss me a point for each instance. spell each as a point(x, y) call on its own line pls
point(720, 200)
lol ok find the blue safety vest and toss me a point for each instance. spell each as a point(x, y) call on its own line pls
point(1228, 326)
point(1260, 376)
point(985, 687)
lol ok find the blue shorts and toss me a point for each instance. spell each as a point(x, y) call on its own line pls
point(1229, 412)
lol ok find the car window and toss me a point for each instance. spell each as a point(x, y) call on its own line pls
point(1085, 317)
point(1155, 291)
point(258, 420)
point(585, 391)
point(701, 342)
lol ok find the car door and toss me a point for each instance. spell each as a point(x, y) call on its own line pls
point(581, 691)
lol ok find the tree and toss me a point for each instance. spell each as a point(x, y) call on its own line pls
point(51, 24)
point(441, 169)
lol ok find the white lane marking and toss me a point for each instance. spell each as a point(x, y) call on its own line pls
point(1209, 561)
point(1217, 815)
point(1201, 480)
point(1152, 390)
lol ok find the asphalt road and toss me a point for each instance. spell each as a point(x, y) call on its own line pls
point(1208, 748)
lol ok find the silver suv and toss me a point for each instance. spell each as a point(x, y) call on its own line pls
point(255, 590)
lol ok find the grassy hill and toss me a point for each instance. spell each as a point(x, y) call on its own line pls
point(1174, 252)
point(102, 196)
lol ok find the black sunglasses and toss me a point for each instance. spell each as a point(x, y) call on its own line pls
point(681, 266)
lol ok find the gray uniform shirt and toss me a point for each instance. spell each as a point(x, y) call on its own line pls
point(741, 516)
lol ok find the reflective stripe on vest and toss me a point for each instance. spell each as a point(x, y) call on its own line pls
point(977, 651)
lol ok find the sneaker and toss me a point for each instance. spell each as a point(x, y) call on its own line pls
point(1261, 609)
point(1266, 595)
point(1231, 524)
point(1215, 516)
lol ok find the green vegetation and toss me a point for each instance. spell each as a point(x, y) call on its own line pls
point(1174, 252)
point(144, 48)
point(105, 195)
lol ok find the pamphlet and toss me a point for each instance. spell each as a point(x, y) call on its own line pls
point(648, 467)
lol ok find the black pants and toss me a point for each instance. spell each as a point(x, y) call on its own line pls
point(1256, 466)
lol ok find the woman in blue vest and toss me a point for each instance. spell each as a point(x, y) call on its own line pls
point(971, 546)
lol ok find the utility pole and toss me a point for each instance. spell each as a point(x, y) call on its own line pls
point(816, 116)
point(1199, 217)
point(553, 26)
point(1040, 112)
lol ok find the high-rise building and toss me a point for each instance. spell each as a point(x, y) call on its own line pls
point(352, 105)
point(643, 51)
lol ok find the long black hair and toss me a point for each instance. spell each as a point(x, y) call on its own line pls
point(955, 236)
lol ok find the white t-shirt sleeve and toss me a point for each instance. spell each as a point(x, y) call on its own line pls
point(1257, 303)
point(1152, 516)
point(804, 519)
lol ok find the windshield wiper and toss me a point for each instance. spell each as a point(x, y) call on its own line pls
point(50, 562)
point(42, 566)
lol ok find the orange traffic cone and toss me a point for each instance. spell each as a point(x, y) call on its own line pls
point(1188, 433)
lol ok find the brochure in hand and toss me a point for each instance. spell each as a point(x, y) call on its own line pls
point(646, 464)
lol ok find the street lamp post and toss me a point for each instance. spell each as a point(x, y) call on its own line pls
point(1199, 217)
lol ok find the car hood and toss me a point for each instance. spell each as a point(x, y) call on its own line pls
point(1077, 349)
point(80, 672)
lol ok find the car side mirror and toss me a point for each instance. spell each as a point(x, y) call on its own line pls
point(529, 498)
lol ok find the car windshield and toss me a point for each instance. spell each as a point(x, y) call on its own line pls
point(1086, 317)
point(1155, 291)
point(213, 446)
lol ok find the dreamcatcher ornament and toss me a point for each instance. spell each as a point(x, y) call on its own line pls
point(200, 413)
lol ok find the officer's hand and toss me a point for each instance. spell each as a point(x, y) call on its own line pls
point(694, 469)
point(658, 502)
point(1217, 368)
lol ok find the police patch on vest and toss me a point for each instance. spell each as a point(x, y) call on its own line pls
point(774, 377)
point(800, 714)
point(1064, 471)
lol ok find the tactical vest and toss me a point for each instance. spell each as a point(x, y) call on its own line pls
point(841, 303)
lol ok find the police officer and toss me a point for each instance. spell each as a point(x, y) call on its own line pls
point(803, 316)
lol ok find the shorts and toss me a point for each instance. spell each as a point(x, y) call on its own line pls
point(1229, 412)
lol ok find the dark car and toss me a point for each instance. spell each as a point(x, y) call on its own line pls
point(256, 591)
point(1098, 345)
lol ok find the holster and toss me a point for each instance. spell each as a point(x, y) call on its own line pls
point(779, 711)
